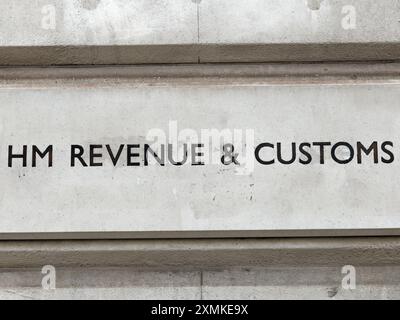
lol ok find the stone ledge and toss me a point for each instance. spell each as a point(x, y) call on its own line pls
point(202, 74)
point(202, 253)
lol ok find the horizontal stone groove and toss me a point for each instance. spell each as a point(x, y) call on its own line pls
point(197, 53)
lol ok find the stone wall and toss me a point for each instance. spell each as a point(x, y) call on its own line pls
point(72, 43)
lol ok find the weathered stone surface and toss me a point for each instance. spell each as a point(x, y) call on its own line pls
point(304, 21)
point(202, 269)
point(185, 31)
point(97, 23)
point(154, 201)
point(296, 282)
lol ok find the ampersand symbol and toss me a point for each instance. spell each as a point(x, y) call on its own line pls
point(229, 156)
